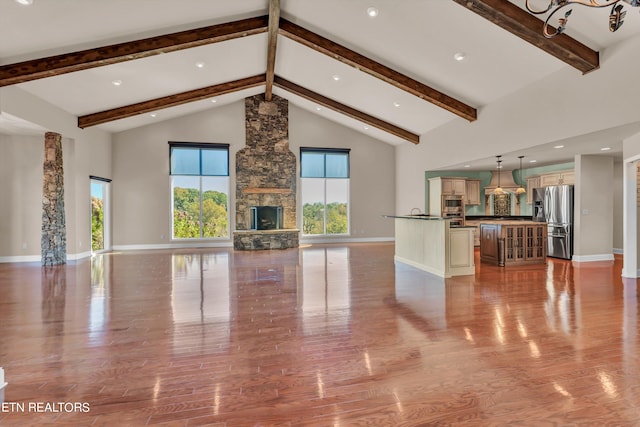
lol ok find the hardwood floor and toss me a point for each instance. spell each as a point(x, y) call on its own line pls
point(317, 336)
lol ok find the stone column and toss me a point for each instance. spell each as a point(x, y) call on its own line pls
point(54, 233)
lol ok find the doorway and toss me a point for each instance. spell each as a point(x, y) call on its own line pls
point(100, 233)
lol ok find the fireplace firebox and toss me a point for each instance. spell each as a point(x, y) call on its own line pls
point(266, 217)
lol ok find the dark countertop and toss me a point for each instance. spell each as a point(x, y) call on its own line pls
point(498, 218)
point(417, 216)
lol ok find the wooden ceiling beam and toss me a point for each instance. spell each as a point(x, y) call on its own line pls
point(169, 101)
point(274, 23)
point(82, 60)
point(367, 65)
point(529, 28)
point(346, 110)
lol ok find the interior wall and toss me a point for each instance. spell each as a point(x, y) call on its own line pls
point(141, 195)
point(593, 208)
point(85, 152)
point(631, 216)
point(618, 172)
point(372, 171)
point(21, 173)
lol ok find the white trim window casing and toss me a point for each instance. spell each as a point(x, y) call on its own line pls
point(325, 182)
point(199, 191)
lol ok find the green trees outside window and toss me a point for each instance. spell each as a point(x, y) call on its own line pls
point(325, 191)
point(200, 187)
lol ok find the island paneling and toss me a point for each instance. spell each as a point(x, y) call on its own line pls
point(507, 243)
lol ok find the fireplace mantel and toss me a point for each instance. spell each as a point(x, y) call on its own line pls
point(266, 190)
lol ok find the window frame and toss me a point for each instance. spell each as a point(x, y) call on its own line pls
point(200, 147)
point(325, 178)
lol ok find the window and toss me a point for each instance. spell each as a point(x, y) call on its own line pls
point(324, 180)
point(199, 190)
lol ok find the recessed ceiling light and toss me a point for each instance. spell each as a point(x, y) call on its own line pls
point(559, 146)
point(605, 149)
point(366, 127)
point(25, 2)
point(200, 64)
point(372, 12)
point(116, 82)
point(460, 56)
point(335, 77)
point(396, 104)
point(318, 108)
point(214, 100)
point(467, 166)
point(532, 161)
point(153, 114)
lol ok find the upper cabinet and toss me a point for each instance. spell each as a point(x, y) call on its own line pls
point(557, 178)
point(472, 192)
point(453, 187)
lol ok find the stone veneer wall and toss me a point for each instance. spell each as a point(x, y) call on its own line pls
point(54, 233)
point(266, 168)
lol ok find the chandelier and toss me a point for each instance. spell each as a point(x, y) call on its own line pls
point(616, 17)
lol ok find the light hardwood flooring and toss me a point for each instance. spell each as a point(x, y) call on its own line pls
point(324, 335)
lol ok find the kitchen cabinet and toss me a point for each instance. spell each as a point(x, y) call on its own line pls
point(472, 192)
point(557, 178)
point(442, 187)
point(513, 242)
point(532, 182)
point(454, 187)
point(476, 230)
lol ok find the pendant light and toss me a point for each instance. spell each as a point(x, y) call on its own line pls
point(521, 189)
point(498, 189)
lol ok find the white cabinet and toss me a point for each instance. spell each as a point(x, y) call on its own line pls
point(532, 182)
point(472, 192)
point(557, 178)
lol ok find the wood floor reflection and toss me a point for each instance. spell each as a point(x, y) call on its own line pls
point(333, 335)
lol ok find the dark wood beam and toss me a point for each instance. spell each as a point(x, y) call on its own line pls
point(169, 101)
point(274, 23)
point(82, 60)
point(529, 28)
point(346, 110)
point(361, 62)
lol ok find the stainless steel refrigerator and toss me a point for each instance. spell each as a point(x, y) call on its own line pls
point(554, 205)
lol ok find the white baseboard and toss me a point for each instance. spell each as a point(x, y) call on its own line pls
point(618, 251)
point(225, 244)
point(38, 258)
point(21, 258)
point(592, 258)
point(325, 239)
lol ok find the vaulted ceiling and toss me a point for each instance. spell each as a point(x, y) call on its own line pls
point(392, 76)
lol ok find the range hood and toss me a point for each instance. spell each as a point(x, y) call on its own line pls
point(506, 182)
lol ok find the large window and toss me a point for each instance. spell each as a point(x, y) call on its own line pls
point(324, 176)
point(200, 190)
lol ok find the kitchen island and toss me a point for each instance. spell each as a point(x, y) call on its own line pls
point(509, 242)
point(431, 244)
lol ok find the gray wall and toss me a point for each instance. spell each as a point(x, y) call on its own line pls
point(141, 186)
point(593, 215)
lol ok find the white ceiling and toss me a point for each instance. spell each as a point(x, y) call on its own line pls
point(415, 37)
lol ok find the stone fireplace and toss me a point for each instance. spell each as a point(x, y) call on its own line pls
point(266, 179)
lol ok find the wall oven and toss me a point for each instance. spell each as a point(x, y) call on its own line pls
point(457, 218)
point(452, 204)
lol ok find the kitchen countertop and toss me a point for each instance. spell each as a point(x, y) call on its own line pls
point(498, 218)
point(428, 217)
point(418, 216)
